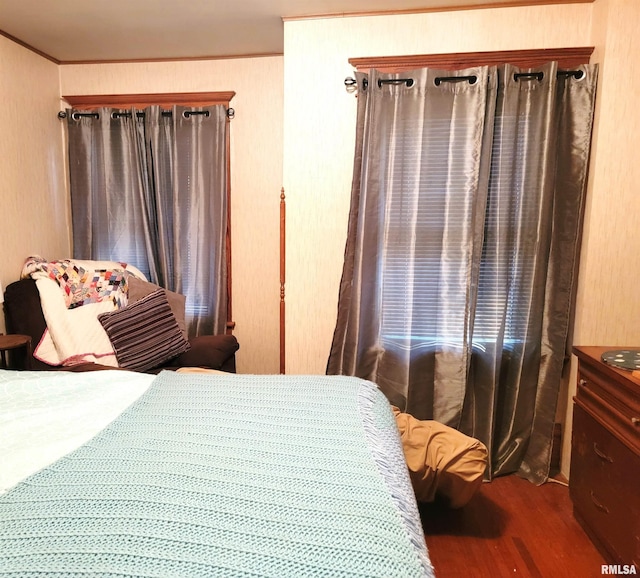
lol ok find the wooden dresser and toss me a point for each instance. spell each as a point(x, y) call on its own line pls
point(604, 480)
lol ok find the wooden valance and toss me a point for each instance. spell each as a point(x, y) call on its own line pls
point(567, 58)
point(164, 100)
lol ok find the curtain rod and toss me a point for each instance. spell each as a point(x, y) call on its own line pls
point(187, 114)
point(351, 82)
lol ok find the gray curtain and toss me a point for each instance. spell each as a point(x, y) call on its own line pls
point(462, 249)
point(149, 188)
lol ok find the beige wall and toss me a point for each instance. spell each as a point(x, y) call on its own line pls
point(33, 199)
point(319, 126)
point(256, 169)
point(608, 304)
point(319, 129)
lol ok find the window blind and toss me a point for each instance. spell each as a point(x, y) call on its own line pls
point(427, 205)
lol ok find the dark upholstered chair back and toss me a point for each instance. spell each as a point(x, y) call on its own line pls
point(23, 314)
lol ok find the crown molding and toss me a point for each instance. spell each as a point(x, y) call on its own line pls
point(430, 9)
point(28, 47)
point(176, 59)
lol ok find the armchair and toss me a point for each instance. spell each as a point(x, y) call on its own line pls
point(23, 315)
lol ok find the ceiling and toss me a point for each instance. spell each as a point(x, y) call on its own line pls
point(100, 30)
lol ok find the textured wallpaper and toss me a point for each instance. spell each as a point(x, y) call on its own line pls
point(319, 133)
point(608, 307)
point(34, 208)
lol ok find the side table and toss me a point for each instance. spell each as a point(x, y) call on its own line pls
point(15, 342)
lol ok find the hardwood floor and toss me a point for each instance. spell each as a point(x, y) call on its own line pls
point(510, 528)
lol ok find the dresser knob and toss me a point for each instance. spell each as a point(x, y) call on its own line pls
point(598, 504)
point(601, 454)
point(635, 420)
point(583, 382)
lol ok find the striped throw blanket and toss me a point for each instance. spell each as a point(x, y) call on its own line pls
point(214, 475)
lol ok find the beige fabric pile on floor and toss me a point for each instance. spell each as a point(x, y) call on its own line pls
point(442, 461)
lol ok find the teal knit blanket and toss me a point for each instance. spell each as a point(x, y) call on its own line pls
point(212, 475)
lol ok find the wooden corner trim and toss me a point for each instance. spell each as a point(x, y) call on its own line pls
point(165, 100)
point(438, 7)
point(283, 260)
point(29, 47)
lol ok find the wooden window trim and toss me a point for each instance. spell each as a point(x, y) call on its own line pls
point(164, 100)
point(567, 58)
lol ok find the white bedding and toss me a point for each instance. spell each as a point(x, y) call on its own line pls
point(72, 335)
point(39, 424)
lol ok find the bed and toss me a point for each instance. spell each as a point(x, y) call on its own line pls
point(116, 473)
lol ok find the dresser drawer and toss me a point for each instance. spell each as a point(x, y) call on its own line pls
point(604, 487)
point(617, 406)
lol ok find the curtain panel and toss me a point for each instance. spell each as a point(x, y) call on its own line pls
point(462, 248)
point(148, 187)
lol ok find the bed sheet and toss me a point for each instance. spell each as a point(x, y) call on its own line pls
point(46, 415)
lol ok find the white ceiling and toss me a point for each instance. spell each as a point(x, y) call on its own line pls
point(99, 30)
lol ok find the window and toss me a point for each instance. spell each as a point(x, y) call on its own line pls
point(415, 223)
point(149, 181)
